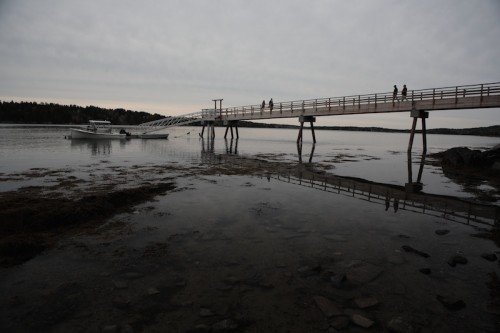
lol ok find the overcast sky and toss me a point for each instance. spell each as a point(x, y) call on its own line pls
point(174, 57)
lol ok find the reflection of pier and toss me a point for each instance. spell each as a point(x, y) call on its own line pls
point(405, 198)
point(447, 207)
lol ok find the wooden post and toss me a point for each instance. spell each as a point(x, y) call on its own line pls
point(299, 137)
point(417, 186)
point(312, 129)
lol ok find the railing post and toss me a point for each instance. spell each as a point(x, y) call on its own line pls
point(433, 96)
point(375, 101)
point(412, 95)
point(456, 95)
point(344, 101)
point(316, 105)
point(481, 100)
point(281, 108)
point(329, 105)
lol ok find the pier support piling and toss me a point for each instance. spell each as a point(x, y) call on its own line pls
point(417, 186)
point(311, 120)
point(229, 125)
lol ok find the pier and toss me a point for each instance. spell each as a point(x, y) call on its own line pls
point(417, 102)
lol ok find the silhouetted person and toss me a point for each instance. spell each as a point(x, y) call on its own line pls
point(404, 92)
point(263, 105)
point(395, 93)
point(271, 104)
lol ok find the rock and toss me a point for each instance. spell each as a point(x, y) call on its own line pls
point(200, 328)
point(126, 328)
point(396, 259)
point(306, 271)
point(489, 256)
point(462, 156)
point(132, 275)
point(204, 312)
point(326, 306)
point(451, 303)
point(109, 329)
point(492, 308)
point(362, 273)
point(408, 248)
point(338, 280)
point(457, 259)
point(442, 232)
point(336, 238)
point(153, 291)
point(365, 302)
point(362, 321)
point(231, 280)
point(120, 303)
point(399, 325)
point(340, 322)
point(120, 284)
point(225, 325)
point(425, 271)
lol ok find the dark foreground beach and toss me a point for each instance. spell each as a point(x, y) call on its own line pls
point(234, 244)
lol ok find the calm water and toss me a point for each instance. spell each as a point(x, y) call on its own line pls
point(255, 249)
point(379, 157)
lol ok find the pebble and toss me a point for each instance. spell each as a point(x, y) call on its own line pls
point(121, 303)
point(120, 284)
point(204, 312)
point(362, 321)
point(457, 259)
point(408, 248)
point(362, 273)
point(326, 306)
point(398, 325)
point(153, 291)
point(365, 302)
point(224, 325)
point(109, 329)
point(489, 256)
point(340, 323)
point(338, 280)
point(451, 303)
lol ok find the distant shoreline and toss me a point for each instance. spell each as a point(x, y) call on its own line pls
point(491, 131)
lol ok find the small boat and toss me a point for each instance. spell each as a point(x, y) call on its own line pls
point(98, 129)
point(153, 136)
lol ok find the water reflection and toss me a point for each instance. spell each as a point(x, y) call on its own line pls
point(415, 186)
point(96, 147)
point(299, 151)
point(389, 196)
point(229, 147)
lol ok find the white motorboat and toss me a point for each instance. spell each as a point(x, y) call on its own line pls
point(153, 136)
point(98, 129)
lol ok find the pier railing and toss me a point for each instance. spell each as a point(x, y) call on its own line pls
point(451, 94)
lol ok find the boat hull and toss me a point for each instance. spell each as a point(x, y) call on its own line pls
point(153, 136)
point(83, 134)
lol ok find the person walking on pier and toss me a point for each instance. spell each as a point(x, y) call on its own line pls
point(271, 104)
point(403, 93)
point(263, 105)
point(395, 94)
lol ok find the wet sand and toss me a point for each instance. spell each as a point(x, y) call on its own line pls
point(226, 246)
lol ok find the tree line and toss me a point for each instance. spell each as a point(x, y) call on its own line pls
point(51, 113)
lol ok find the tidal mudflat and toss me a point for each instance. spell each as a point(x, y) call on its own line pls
point(237, 243)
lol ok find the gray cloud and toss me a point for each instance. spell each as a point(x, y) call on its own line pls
point(173, 57)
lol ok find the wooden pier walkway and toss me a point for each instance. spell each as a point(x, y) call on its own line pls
point(486, 95)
